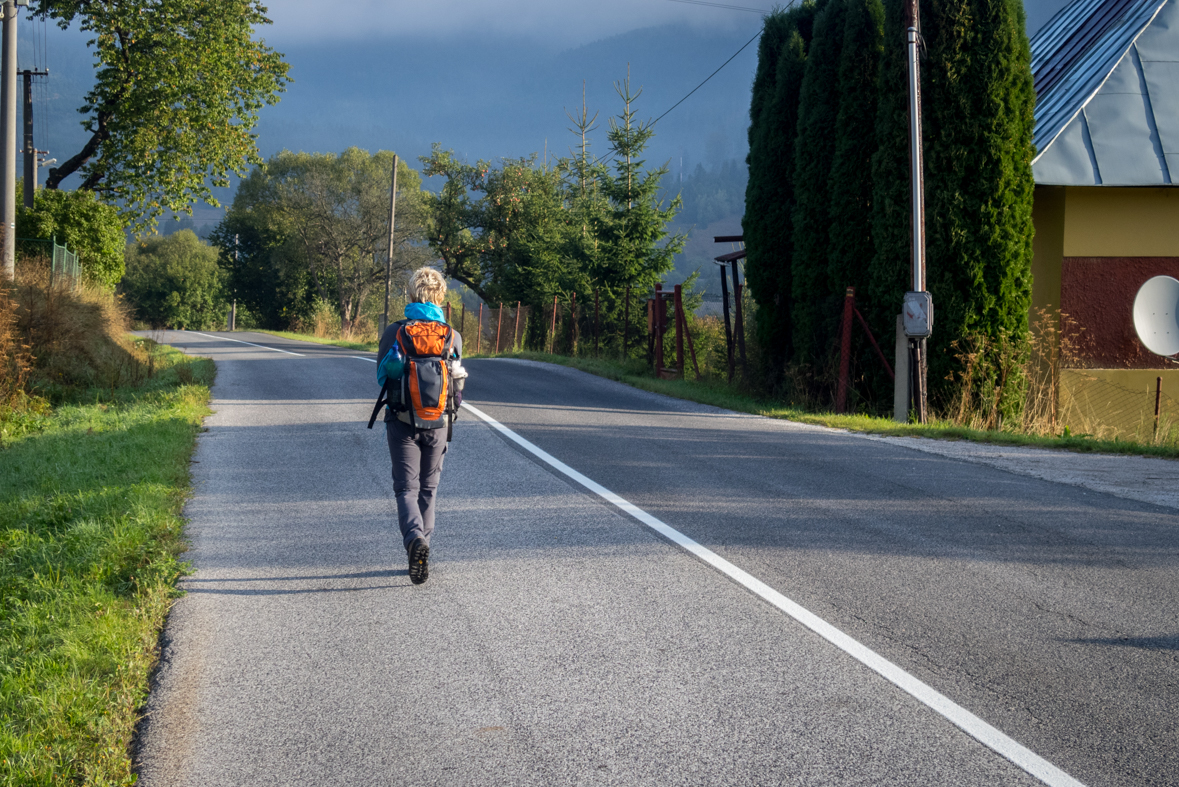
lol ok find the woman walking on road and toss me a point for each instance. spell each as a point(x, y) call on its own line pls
point(419, 360)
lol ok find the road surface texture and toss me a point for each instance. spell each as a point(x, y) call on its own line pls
point(562, 640)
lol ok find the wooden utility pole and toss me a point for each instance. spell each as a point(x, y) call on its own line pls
point(389, 258)
point(8, 138)
point(30, 149)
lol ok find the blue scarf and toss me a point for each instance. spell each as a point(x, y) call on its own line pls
point(424, 311)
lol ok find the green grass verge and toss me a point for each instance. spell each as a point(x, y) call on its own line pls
point(302, 337)
point(719, 394)
point(90, 531)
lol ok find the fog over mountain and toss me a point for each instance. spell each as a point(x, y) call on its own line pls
point(487, 80)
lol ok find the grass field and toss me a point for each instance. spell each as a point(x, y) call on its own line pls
point(719, 394)
point(90, 534)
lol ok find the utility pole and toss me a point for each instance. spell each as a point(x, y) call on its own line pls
point(389, 258)
point(8, 136)
point(233, 306)
point(917, 312)
point(29, 150)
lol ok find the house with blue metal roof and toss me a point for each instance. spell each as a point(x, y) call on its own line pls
point(1107, 195)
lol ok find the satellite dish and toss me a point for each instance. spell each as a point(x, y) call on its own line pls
point(1156, 315)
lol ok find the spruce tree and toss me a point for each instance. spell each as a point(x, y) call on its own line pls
point(769, 200)
point(979, 102)
point(638, 250)
point(815, 313)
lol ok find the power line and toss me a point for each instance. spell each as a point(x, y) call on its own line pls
point(710, 76)
point(722, 5)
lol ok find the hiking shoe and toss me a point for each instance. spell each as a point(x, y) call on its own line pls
point(419, 561)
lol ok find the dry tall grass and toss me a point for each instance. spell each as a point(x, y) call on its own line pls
point(1001, 371)
point(74, 338)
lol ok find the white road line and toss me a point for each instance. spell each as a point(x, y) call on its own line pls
point(974, 726)
point(239, 341)
point(362, 358)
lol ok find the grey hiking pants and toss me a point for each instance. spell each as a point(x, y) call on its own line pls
point(417, 466)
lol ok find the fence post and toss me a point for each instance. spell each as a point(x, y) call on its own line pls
point(499, 324)
point(479, 332)
point(625, 322)
point(679, 330)
point(659, 315)
point(737, 289)
point(516, 330)
point(573, 324)
point(597, 323)
point(553, 330)
point(728, 327)
point(849, 303)
point(1158, 402)
point(463, 318)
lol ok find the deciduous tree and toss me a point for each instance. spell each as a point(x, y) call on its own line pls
point(178, 86)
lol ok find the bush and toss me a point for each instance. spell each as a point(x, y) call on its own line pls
point(175, 282)
point(77, 220)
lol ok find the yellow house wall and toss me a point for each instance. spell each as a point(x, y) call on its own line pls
point(1047, 247)
point(1120, 222)
point(1106, 222)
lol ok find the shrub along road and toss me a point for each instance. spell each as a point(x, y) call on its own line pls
point(561, 640)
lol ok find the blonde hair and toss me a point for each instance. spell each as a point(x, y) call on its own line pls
point(428, 286)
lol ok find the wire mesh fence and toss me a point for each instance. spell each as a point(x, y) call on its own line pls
point(66, 267)
point(1108, 410)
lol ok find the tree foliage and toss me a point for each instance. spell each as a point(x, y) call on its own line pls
point(814, 312)
point(849, 200)
point(523, 231)
point(77, 220)
point(978, 104)
point(178, 86)
point(326, 216)
point(769, 196)
point(174, 282)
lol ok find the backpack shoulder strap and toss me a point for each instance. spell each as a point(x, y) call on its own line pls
point(382, 399)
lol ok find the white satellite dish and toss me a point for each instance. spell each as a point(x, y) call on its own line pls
point(1156, 315)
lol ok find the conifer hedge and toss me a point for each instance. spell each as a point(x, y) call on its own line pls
point(770, 190)
point(815, 312)
point(841, 217)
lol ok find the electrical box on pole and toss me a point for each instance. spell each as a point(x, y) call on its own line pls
point(917, 310)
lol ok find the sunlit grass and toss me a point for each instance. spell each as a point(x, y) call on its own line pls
point(719, 394)
point(90, 533)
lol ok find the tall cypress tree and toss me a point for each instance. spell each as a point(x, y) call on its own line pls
point(769, 195)
point(814, 311)
point(979, 101)
point(889, 273)
point(850, 249)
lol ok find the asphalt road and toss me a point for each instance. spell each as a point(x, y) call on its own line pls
point(560, 640)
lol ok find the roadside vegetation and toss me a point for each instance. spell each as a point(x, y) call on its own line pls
point(96, 433)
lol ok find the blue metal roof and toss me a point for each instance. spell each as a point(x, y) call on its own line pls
point(1107, 87)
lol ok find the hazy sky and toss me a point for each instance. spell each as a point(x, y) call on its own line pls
point(557, 22)
point(560, 22)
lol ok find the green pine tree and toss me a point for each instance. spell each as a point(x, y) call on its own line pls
point(638, 249)
point(769, 200)
point(979, 101)
point(815, 313)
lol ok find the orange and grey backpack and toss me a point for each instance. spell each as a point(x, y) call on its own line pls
point(424, 389)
